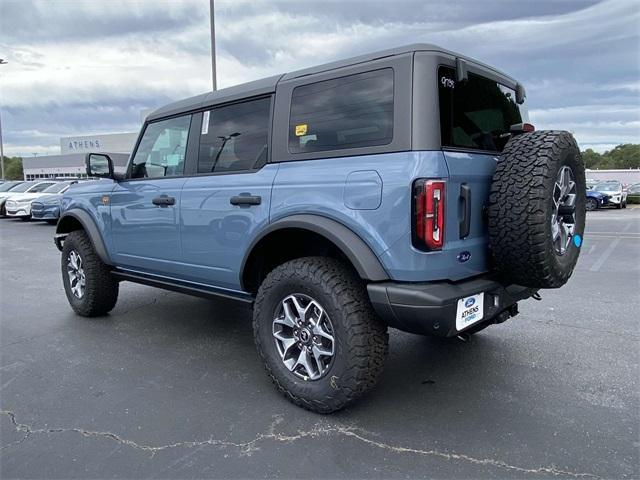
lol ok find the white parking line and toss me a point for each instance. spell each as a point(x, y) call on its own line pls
point(605, 255)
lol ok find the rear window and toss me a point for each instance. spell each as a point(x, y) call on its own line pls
point(347, 112)
point(476, 114)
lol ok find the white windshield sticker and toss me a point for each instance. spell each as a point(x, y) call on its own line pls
point(205, 123)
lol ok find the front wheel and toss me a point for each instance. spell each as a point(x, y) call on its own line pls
point(591, 204)
point(321, 342)
point(91, 289)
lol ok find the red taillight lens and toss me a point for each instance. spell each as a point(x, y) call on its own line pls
point(429, 213)
point(527, 127)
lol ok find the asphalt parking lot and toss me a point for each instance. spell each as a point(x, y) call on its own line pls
point(170, 386)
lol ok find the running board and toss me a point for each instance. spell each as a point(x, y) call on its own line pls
point(182, 287)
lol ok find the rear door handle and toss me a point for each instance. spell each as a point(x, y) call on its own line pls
point(245, 200)
point(465, 223)
point(164, 201)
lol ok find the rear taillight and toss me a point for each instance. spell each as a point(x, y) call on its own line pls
point(428, 224)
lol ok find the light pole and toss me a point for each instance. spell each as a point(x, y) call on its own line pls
point(213, 45)
point(3, 62)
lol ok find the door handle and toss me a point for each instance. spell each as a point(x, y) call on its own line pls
point(246, 200)
point(164, 201)
point(465, 223)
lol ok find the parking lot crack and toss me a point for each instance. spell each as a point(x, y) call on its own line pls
point(272, 435)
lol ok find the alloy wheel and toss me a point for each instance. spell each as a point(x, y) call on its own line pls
point(75, 271)
point(304, 336)
point(563, 216)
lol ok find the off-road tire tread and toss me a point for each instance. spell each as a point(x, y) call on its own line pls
point(518, 213)
point(367, 344)
point(101, 291)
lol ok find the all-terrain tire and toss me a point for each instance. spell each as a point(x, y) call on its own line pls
point(521, 206)
point(361, 339)
point(101, 289)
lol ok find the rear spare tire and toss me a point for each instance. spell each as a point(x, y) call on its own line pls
point(537, 209)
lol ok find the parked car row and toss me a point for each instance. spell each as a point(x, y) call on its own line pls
point(36, 199)
point(609, 193)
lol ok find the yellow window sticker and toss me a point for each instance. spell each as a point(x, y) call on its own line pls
point(301, 130)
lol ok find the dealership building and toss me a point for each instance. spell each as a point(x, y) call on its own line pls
point(71, 161)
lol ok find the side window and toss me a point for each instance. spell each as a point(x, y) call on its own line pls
point(346, 112)
point(162, 149)
point(235, 137)
point(41, 187)
point(477, 113)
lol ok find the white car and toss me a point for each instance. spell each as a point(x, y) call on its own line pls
point(613, 189)
point(20, 205)
point(26, 187)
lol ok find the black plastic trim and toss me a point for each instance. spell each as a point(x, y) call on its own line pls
point(354, 248)
point(430, 308)
point(89, 226)
point(182, 287)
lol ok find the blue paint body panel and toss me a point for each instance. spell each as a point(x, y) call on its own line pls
point(203, 239)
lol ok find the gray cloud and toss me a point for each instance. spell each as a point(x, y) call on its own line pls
point(89, 66)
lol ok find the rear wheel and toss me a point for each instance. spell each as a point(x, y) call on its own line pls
point(91, 289)
point(321, 342)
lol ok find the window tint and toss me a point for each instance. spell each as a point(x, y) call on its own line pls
point(40, 187)
point(477, 113)
point(57, 187)
point(162, 149)
point(235, 137)
point(346, 112)
point(5, 187)
point(608, 187)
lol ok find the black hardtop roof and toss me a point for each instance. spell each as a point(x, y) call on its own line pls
point(267, 85)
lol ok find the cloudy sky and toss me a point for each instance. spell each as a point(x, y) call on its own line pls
point(90, 66)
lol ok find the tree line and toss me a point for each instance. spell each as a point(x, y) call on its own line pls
point(623, 156)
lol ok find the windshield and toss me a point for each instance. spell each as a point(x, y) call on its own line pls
point(56, 187)
point(5, 187)
point(608, 187)
point(23, 187)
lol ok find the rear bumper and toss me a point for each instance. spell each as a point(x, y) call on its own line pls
point(430, 308)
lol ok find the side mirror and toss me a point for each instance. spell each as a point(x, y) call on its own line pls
point(99, 165)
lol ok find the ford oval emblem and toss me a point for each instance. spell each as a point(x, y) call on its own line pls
point(464, 256)
point(469, 302)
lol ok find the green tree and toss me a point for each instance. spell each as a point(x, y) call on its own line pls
point(13, 168)
point(621, 157)
point(591, 158)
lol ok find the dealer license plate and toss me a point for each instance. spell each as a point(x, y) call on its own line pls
point(470, 310)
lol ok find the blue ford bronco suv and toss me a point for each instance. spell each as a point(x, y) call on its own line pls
point(403, 188)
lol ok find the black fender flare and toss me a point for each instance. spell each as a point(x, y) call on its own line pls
point(89, 226)
point(354, 248)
